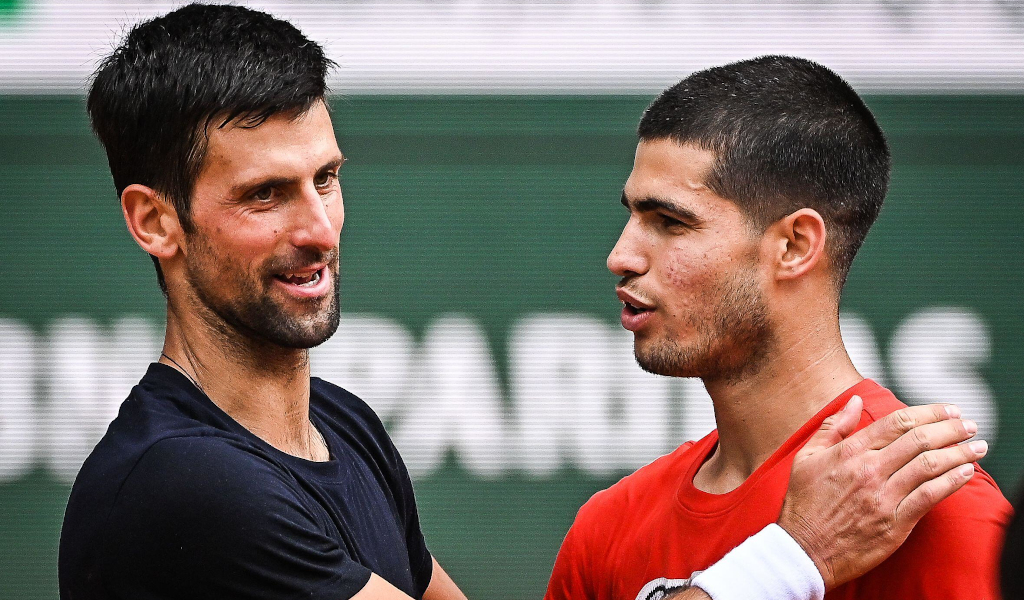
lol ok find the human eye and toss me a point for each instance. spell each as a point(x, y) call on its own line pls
point(325, 180)
point(670, 222)
point(263, 194)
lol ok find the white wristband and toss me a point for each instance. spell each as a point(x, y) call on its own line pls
point(769, 565)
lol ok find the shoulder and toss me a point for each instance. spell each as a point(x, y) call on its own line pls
point(951, 545)
point(601, 521)
point(157, 410)
point(609, 506)
point(878, 401)
point(208, 497)
point(204, 478)
point(953, 551)
point(205, 517)
point(341, 404)
point(981, 498)
point(352, 420)
point(156, 444)
point(977, 511)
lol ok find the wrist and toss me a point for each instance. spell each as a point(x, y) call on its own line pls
point(803, 534)
point(769, 565)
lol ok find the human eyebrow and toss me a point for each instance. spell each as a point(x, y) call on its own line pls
point(332, 165)
point(246, 188)
point(652, 204)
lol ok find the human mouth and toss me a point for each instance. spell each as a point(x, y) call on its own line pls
point(635, 312)
point(301, 280)
point(310, 282)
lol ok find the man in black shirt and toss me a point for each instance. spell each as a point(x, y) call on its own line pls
point(185, 502)
point(229, 471)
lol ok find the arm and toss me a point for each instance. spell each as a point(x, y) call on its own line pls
point(853, 499)
point(441, 588)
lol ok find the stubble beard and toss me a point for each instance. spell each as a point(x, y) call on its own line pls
point(251, 311)
point(731, 341)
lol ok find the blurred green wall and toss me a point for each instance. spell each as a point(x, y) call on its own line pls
point(497, 208)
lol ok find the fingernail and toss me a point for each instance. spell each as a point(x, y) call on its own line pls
point(953, 411)
point(967, 470)
point(970, 426)
point(979, 447)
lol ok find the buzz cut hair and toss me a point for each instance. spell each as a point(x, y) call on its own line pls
point(786, 133)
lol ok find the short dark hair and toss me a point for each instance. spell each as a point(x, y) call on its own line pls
point(787, 133)
point(154, 98)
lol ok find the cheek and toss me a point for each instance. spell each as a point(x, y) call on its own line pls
point(240, 247)
point(245, 247)
point(687, 271)
point(691, 282)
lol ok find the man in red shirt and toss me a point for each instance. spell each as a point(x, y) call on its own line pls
point(753, 187)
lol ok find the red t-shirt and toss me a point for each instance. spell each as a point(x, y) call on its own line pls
point(655, 525)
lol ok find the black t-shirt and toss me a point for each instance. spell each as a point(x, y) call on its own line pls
point(178, 500)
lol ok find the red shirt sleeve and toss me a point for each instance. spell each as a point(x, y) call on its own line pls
point(953, 552)
point(569, 577)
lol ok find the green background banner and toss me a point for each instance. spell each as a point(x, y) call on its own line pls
point(474, 227)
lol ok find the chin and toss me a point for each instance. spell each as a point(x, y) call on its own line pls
point(664, 360)
point(304, 335)
point(672, 358)
point(271, 321)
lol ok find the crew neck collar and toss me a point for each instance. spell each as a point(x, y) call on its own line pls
point(697, 501)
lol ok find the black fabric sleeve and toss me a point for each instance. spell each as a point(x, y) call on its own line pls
point(199, 517)
point(399, 482)
point(419, 557)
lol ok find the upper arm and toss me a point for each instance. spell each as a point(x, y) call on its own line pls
point(425, 568)
point(396, 479)
point(378, 588)
point(441, 586)
point(200, 518)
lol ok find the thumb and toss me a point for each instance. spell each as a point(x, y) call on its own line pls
point(837, 427)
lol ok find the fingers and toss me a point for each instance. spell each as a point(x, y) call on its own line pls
point(848, 418)
point(915, 444)
point(883, 432)
point(933, 465)
point(837, 427)
point(930, 493)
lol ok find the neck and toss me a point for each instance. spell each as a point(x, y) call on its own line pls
point(262, 386)
point(757, 412)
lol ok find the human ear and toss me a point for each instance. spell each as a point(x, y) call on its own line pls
point(151, 220)
point(799, 243)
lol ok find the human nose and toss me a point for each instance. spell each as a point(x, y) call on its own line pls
point(627, 257)
point(318, 221)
